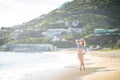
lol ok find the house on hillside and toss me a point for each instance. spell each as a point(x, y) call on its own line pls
point(73, 23)
point(53, 32)
point(74, 30)
point(68, 24)
point(114, 31)
point(100, 31)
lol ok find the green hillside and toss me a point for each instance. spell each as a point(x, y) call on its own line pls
point(90, 15)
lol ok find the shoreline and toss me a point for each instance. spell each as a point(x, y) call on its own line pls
point(97, 68)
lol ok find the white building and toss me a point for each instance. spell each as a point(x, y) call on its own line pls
point(74, 30)
point(68, 24)
point(75, 23)
point(31, 47)
point(112, 30)
point(100, 31)
point(53, 32)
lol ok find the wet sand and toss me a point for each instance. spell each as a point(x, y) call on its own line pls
point(97, 68)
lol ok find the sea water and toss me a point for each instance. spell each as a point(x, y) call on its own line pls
point(15, 65)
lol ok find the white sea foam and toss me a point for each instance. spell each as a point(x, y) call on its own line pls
point(16, 65)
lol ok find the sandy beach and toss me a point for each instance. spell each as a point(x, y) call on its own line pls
point(99, 66)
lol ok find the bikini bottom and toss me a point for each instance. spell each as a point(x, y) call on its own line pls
point(80, 54)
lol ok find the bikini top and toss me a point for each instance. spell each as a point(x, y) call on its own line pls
point(80, 46)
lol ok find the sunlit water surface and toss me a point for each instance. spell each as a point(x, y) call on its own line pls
point(15, 65)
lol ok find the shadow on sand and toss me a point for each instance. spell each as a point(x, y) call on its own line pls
point(74, 73)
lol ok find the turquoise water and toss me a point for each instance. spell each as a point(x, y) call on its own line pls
point(15, 65)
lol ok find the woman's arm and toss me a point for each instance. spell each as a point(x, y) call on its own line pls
point(84, 52)
point(76, 41)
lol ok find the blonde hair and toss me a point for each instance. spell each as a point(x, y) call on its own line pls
point(84, 42)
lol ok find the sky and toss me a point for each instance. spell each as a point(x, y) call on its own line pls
point(15, 12)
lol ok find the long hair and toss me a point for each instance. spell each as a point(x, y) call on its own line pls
point(84, 42)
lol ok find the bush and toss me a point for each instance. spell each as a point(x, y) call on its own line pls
point(117, 46)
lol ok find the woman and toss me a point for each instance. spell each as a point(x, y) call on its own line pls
point(81, 51)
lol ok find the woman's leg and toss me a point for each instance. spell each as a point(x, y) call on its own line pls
point(81, 62)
